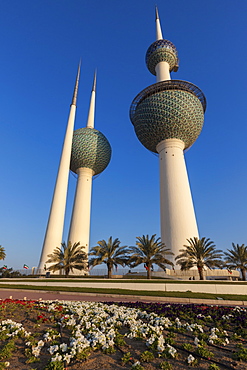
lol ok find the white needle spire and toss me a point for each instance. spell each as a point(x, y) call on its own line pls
point(54, 230)
point(159, 35)
point(91, 112)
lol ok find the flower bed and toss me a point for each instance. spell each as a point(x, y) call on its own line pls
point(74, 335)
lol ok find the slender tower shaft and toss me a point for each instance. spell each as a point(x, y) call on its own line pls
point(80, 220)
point(54, 230)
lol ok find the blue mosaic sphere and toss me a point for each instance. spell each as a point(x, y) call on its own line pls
point(162, 51)
point(90, 149)
point(168, 110)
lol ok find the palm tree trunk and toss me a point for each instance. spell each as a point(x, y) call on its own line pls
point(201, 274)
point(109, 272)
point(243, 274)
point(149, 276)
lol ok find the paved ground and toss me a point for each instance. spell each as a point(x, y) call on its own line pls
point(46, 295)
point(67, 296)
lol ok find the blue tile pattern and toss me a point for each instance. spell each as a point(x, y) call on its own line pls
point(90, 149)
point(162, 51)
point(168, 110)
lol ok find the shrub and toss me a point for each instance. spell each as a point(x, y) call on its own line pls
point(55, 365)
point(164, 365)
point(213, 367)
point(126, 358)
point(241, 354)
point(147, 356)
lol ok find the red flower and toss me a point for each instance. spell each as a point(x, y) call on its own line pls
point(42, 318)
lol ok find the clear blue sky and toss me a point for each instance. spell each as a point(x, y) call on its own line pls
point(41, 44)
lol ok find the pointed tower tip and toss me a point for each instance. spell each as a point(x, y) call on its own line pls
point(79, 69)
point(74, 99)
point(94, 80)
point(91, 112)
point(159, 35)
point(156, 12)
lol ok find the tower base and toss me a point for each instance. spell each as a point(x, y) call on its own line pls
point(178, 221)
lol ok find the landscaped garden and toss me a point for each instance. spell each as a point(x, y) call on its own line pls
point(88, 335)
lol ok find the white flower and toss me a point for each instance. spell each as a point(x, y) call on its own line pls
point(171, 350)
point(196, 341)
point(41, 343)
point(63, 347)
point(226, 341)
point(135, 364)
point(73, 352)
point(47, 337)
point(178, 323)
point(53, 349)
point(67, 358)
point(36, 351)
point(58, 357)
point(190, 359)
point(160, 344)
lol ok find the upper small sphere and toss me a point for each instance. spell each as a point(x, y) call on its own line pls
point(90, 149)
point(168, 110)
point(162, 51)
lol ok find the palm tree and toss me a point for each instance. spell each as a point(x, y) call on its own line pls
point(2, 253)
point(199, 253)
point(236, 258)
point(149, 251)
point(109, 253)
point(67, 258)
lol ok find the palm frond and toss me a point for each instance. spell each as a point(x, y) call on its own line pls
point(199, 253)
point(109, 253)
point(236, 258)
point(68, 258)
point(149, 251)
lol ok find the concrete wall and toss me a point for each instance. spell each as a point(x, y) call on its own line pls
point(215, 274)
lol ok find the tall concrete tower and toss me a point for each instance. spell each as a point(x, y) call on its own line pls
point(91, 153)
point(54, 230)
point(168, 117)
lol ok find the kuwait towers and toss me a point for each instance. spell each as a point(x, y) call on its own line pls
point(86, 152)
point(168, 117)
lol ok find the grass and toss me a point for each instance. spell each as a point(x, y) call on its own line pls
point(188, 294)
